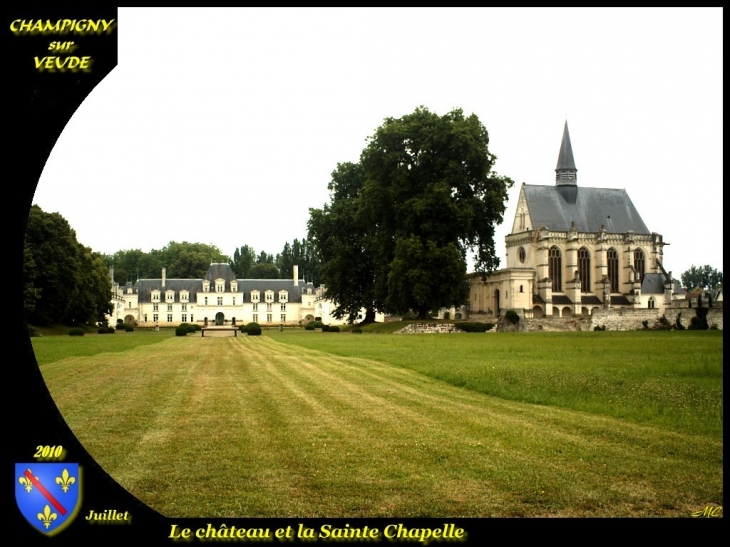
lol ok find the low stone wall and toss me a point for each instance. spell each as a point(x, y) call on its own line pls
point(558, 324)
point(685, 315)
point(627, 319)
point(428, 328)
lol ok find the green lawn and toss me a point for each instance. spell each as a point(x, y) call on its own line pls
point(378, 425)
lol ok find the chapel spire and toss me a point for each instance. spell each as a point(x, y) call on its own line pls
point(565, 172)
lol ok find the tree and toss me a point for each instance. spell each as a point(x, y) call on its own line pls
point(427, 195)
point(243, 260)
point(705, 277)
point(263, 271)
point(345, 247)
point(64, 281)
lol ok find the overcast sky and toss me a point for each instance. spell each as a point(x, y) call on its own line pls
point(223, 126)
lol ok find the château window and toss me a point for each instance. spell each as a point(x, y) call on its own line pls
point(220, 300)
point(269, 296)
point(220, 285)
point(145, 317)
point(154, 317)
point(234, 286)
point(169, 307)
point(283, 318)
point(234, 300)
point(184, 307)
point(283, 307)
point(255, 306)
point(639, 264)
point(255, 317)
point(613, 268)
point(255, 297)
point(283, 296)
point(522, 254)
point(170, 296)
point(556, 267)
point(169, 318)
point(205, 301)
point(155, 307)
point(184, 317)
point(155, 296)
point(268, 318)
point(584, 269)
point(268, 307)
point(206, 286)
point(184, 296)
point(652, 303)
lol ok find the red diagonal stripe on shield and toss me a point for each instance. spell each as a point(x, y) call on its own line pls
point(46, 493)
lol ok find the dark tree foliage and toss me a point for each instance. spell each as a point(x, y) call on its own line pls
point(64, 281)
point(243, 260)
point(422, 196)
point(346, 247)
point(263, 271)
point(704, 277)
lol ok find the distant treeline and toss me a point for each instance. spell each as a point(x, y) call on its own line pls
point(191, 261)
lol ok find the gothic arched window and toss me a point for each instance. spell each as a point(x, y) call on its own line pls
point(639, 264)
point(613, 268)
point(584, 269)
point(556, 267)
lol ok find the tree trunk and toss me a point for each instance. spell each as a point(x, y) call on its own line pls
point(369, 318)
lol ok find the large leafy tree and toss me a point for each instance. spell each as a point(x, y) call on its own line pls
point(345, 246)
point(64, 281)
point(705, 277)
point(427, 197)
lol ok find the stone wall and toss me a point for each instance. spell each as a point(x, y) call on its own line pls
point(558, 324)
point(685, 315)
point(626, 318)
point(428, 328)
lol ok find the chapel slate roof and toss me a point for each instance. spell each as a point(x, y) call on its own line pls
point(591, 208)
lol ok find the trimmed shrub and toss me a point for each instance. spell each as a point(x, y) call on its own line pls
point(76, 331)
point(191, 328)
point(128, 328)
point(181, 331)
point(512, 317)
point(120, 321)
point(316, 324)
point(357, 330)
point(473, 326)
point(253, 329)
point(101, 330)
point(334, 328)
point(197, 327)
point(184, 325)
point(325, 328)
point(309, 326)
point(242, 328)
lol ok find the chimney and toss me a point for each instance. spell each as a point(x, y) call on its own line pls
point(163, 278)
point(296, 275)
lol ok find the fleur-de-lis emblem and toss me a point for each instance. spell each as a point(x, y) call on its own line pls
point(65, 480)
point(25, 481)
point(46, 517)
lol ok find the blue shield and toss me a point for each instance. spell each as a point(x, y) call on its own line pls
point(48, 494)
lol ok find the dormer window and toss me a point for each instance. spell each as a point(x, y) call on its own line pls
point(283, 296)
point(170, 296)
point(206, 286)
point(255, 296)
point(184, 296)
point(129, 290)
point(234, 286)
point(155, 296)
point(269, 296)
point(220, 285)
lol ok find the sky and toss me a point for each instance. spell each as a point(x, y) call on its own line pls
point(223, 126)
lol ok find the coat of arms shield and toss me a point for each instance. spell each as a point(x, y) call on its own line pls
point(48, 494)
